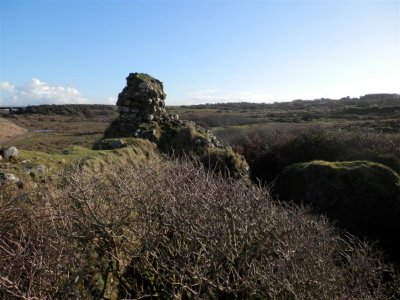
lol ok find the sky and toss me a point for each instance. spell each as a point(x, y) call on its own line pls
point(204, 51)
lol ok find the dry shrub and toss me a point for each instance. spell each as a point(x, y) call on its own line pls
point(269, 150)
point(171, 230)
point(205, 238)
point(36, 255)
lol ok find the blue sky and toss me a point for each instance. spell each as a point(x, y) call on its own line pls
point(80, 51)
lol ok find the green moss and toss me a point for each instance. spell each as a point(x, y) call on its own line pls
point(225, 160)
point(155, 84)
point(347, 165)
point(362, 196)
point(145, 77)
point(136, 152)
point(151, 131)
point(192, 140)
point(182, 139)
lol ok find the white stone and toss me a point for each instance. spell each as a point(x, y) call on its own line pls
point(11, 177)
point(11, 152)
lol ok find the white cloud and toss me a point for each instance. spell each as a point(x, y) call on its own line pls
point(6, 86)
point(38, 92)
point(111, 100)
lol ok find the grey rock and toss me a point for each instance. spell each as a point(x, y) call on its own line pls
point(11, 177)
point(198, 142)
point(143, 86)
point(11, 152)
point(138, 132)
point(1, 157)
point(38, 170)
point(123, 109)
point(109, 144)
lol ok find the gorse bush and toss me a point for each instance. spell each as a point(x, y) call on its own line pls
point(171, 230)
point(204, 238)
point(269, 150)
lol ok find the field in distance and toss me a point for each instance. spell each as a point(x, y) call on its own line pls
point(51, 128)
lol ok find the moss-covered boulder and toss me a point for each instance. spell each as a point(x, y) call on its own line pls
point(362, 196)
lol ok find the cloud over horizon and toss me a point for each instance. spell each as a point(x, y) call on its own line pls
point(38, 92)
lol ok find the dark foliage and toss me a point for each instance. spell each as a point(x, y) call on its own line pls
point(88, 111)
point(363, 197)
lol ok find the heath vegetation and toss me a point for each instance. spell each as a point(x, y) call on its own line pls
point(170, 229)
point(163, 216)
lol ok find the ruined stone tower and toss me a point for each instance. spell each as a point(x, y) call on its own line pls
point(142, 114)
point(140, 102)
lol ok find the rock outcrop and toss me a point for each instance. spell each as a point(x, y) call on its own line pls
point(142, 114)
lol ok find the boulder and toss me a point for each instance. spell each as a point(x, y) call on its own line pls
point(361, 196)
point(10, 153)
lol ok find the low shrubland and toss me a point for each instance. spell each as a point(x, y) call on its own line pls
point(171, 230)
point(270, 149)
point(355, 180)
point(129, 223)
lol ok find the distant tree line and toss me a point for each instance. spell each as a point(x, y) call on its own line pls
point(370, 99)
point(92, 110)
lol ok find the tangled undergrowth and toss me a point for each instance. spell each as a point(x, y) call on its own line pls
point(171, 230)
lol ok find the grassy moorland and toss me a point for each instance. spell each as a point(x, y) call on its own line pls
point(55, 127)
point(133, 223)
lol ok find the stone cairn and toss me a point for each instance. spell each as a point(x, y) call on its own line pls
point(142, 114)
point(141, 107)
point(140, 102)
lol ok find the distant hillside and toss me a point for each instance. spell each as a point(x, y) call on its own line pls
point(9, 130)
point(88, 111)
point(363, 101)
point(95, 110)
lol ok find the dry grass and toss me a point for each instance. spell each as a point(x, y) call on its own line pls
point(9, 130)
point(63, 131)
point(170, 230)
